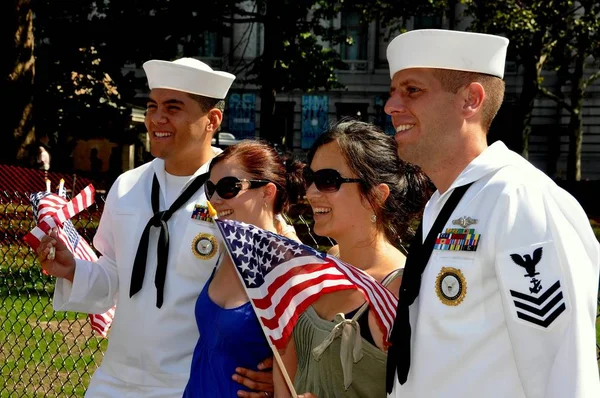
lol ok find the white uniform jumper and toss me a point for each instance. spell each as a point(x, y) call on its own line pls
point(150, 349)
point(515, 318)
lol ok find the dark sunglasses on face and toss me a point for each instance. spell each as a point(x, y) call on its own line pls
point(326, 180)
point(229, 187)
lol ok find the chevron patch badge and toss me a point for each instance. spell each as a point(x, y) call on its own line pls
point(532, 280)
point(541, 310)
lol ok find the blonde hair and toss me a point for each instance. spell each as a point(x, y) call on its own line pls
point(453, 80)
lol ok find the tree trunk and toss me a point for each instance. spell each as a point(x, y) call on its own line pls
point(270, 72)
point(575, 143)
point(576, 120)
point(18, 69)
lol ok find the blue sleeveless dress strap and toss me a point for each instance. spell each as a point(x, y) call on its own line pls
point(229, 338)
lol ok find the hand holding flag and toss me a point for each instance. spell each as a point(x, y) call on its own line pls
point(52, 214)
point(55, 257)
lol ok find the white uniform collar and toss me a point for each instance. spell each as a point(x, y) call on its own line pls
point(493, 158)
point(159, 169)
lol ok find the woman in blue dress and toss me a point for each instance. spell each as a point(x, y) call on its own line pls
point(248, 182)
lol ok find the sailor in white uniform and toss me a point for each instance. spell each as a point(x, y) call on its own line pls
point(158, 242)
point(499, 291)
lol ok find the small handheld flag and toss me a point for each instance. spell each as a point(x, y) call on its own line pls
point(54, 211)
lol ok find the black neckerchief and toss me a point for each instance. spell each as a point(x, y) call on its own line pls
point(159, 220)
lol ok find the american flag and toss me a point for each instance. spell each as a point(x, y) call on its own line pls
point(283, 277)
point(54, 211)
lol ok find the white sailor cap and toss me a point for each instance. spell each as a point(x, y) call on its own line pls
point(448, 49)
point(188, 75)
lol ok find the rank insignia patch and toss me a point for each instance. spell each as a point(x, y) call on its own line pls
point(532, 281)
point(205, 246)
point(202, 213)
point(451, 286)
point(545, 308)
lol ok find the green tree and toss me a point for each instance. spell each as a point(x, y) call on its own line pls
point(394, 15)
point(18, 71)
point(547, 34)
point(300, 41)
point(292, 55)
point(298, 50)
point(578, 43)
point(531, 27)
point(77, 95)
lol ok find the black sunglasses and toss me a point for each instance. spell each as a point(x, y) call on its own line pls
point(229, 187)
point(326, 180)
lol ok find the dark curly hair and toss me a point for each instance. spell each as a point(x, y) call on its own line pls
point(373, 156)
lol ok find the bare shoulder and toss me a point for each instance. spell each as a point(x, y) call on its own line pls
point(330, 304)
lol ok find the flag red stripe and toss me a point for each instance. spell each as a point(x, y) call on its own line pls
point(281, 342)
point(284, 278)
point(379, 293)
point(31, 240)
point(287, 300)
point(389, 299)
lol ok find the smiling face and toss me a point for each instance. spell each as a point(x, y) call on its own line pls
point(248, 205)
point(177, 128)
point(342, 213)
point(426, 117)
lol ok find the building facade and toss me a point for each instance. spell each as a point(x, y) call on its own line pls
point(300, 117)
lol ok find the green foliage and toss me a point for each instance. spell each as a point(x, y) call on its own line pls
point(77, 86)
point(530, 25)
point(559, 35)
point(393, 15)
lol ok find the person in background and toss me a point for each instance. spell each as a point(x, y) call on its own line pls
point(363, 196)
point(149, 266)
point(43, 158)
point(249, 183)
point(499, 292)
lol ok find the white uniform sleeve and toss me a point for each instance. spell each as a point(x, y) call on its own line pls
point(95, 285)
point(547, 265)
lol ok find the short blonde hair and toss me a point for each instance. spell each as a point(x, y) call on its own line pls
point(453, 80)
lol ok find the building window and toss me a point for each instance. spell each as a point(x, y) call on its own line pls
point(209, 45)
point(355, 46)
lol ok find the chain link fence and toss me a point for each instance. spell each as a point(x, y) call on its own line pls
point(42, 353)
point(53, 354)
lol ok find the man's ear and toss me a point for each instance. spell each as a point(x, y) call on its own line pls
point(215, 117)
point(473, 97)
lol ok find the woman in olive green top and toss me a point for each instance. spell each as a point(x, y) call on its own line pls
point(363, 196)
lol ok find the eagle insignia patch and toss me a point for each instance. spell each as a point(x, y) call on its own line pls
point(533, 281)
